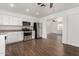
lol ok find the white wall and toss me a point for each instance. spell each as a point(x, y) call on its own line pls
point(65, 30)
point(44, 30)
point(73, 30)
point(52, 27)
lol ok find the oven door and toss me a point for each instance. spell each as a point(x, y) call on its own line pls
point(27, 35)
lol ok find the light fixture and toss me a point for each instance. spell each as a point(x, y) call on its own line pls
point(27, 10)
point(54, 20)
point(37, 13)
point(12, 5)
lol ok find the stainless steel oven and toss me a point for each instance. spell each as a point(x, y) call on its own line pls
point(27, 32)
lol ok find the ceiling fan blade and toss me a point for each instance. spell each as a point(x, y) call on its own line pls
point(43, 5)
point(51, 5)
point(39, 3)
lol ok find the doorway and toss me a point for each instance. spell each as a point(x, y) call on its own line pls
point(55, 28)
point(35, 29)
point(38, 30)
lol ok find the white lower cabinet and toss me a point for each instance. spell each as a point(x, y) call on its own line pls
point(2, 45)
point(20, 36)
point(13, 37)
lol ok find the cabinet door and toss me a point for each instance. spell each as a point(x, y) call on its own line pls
point(19, 22)
point(11, 37)
point(2, 45)
point(9, 20)
point(14, 20)
point(1, 20)
point(20, 36)
point(6, 20)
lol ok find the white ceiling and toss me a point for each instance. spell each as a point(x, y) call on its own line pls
point(36, 10)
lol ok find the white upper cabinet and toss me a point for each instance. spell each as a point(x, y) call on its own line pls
point(14, 20)
point(19, 23)
point(1, 20)
point(8, 20)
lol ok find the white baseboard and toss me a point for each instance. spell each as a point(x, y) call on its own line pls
point(76, 45)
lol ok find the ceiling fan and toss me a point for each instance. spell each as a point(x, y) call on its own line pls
point(44, 5)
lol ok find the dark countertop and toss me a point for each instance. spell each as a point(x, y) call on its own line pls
point(13, 28)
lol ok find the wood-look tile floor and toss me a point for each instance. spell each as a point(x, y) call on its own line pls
point(42, 47)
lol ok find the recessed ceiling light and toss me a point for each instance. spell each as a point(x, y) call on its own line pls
point(37, 13)
point(27, 10)
point(12, 5)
